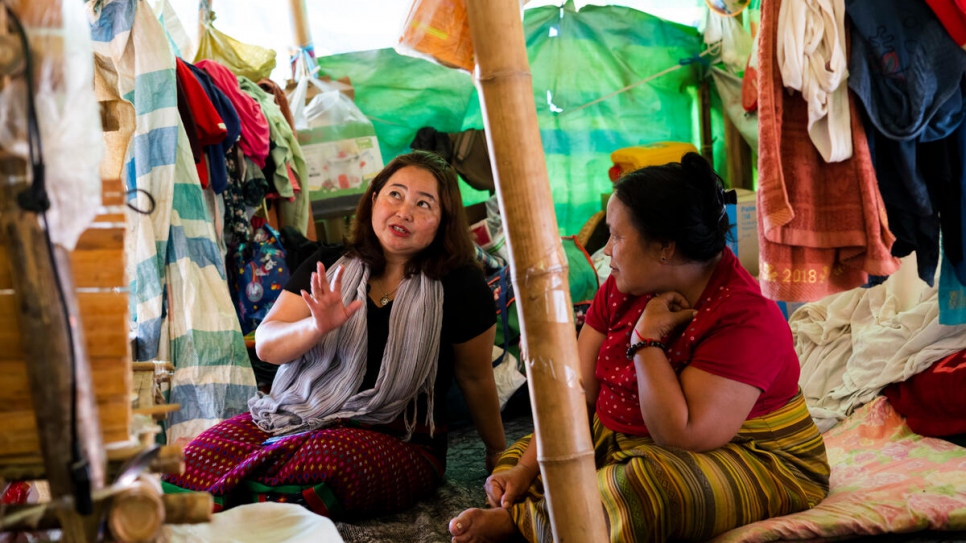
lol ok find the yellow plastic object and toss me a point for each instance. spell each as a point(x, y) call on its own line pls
point(439, 30)
point(252, 61)
point(629, 159)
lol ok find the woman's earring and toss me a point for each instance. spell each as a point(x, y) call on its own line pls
point(663, 259)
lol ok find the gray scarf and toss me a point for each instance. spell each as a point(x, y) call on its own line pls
point(322, 386)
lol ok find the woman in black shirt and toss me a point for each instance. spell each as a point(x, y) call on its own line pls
point(368, 346)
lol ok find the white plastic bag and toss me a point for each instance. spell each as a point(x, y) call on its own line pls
point(338, 141)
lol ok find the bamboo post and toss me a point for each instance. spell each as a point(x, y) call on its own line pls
point(539, 270)
point(300, 23)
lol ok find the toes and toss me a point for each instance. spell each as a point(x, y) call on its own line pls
point(461, 524)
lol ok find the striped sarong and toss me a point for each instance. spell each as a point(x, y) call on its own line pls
point(774, 466)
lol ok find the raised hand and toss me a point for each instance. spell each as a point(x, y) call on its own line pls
point(325, 301)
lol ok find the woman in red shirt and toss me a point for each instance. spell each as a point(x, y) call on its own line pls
point(691, 378)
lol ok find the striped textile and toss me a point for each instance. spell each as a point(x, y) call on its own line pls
point(338, 472)
point(776, 465)
point(179, 295)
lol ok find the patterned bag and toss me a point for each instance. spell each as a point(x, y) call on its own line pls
point(260, 273)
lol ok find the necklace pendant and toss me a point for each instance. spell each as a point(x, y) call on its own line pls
point(384, 300)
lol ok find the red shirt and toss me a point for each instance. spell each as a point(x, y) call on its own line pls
point(737, 334)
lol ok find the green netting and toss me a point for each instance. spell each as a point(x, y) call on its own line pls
point(575, 58)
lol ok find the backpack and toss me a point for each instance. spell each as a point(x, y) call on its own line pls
point(259, 273)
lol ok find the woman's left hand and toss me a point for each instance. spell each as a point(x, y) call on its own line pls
point(663, 314)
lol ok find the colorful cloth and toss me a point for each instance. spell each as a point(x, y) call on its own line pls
point(179, 292)
point(737, 334)
point(776, 465)
point(339, 472)
point(885, 479)
point(255, 132)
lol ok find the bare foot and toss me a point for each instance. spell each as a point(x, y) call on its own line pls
point(483, 526)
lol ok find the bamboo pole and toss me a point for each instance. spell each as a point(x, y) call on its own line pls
point(539, 270)
point(300, 23)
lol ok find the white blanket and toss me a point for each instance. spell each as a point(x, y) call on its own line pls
point(851, 345)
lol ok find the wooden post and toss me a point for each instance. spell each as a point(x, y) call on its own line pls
point(704, 100)
point(539, 270)
point(59, 370)
point(737, 157)
point(44, 322)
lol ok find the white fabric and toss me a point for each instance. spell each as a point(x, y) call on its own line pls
point(507, 376)
point(736, 42)
point(811, 57)
point(257, 523)
point(853, 344)
point(322, 386)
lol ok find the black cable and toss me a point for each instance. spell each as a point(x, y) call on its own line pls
point(35, 199)
point(152, 205)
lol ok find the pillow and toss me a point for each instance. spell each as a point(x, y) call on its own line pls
point(933, 401)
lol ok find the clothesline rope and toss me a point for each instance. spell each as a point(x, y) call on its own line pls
point(713, 50)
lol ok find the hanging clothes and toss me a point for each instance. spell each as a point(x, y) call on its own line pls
point(216, 151)
point(294, 206)
point(811, 58)
point(909, 75)
point(952, 17)
point(179, 292)
point(822, 227)
point(281, 100)
point(255, 131)
point(203, 124)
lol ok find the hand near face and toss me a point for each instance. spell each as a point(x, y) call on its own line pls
point(663, 314)
point(325, 301)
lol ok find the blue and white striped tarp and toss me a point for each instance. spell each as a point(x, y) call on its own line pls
point(179, 294)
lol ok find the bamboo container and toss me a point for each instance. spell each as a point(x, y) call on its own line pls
point(539, 271)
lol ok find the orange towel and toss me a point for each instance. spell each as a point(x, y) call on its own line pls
point(822, 228)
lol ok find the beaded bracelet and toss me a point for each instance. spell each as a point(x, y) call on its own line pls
point(645, 342)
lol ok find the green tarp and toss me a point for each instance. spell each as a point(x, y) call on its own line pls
point(575, 58)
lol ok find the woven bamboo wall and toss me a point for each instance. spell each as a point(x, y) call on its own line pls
point(98, 268)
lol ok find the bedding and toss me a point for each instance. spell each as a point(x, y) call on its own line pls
point(885, 479)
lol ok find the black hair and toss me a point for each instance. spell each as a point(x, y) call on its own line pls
point(683, 202)
point(452, 246)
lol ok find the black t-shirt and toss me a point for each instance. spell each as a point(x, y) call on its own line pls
point(468, 311)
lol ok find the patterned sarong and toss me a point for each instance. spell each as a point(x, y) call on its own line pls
point(339, 472)
point(776, 465)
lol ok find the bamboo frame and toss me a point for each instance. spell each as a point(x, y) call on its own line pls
point(539, 271)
